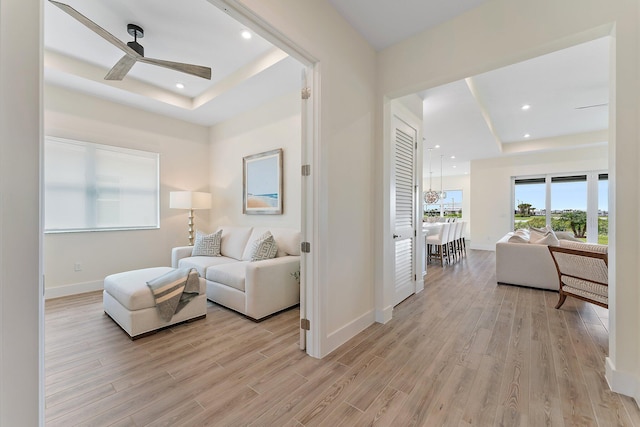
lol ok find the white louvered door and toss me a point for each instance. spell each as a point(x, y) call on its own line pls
point(404, 198)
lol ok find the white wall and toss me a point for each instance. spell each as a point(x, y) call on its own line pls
point(184, 154)
point(342, 243)
point(20, 285)
point(276, 124)
point(503, 32)
point(491, 191)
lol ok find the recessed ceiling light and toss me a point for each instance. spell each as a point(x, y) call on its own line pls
point(245, 34)
point(453, 157)
point(525, 107)
point(180, 85)
point(454, 166)
point(437, 146)
point(526, 135)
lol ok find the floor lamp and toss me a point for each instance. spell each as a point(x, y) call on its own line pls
point(189, 200)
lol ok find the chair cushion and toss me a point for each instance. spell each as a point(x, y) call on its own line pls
point(586, 289)
point(582, 246)
point(232, 274)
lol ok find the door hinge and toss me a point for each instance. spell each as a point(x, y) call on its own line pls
point(305, 324)
point(415, 277)
point(306, 93)
point(306, 170)
point(415, 233)
point(305, 247)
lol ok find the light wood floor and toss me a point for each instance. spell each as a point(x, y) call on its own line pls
point(465, 352)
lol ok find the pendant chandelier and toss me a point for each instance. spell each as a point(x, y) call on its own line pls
point(442, 194)
point(430, 197)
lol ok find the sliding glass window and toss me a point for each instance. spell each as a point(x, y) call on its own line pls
point(576, 203)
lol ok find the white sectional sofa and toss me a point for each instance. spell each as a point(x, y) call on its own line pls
point(521, 261)
point(254, 288)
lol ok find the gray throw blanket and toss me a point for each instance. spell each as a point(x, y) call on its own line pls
point(173, 290)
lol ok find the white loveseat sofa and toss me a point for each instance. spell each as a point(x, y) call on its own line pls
point(520, 261)
point(254, 288)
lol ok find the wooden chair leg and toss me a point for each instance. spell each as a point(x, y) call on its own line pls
point(563, 297)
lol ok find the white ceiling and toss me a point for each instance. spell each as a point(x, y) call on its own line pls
point(384, 22)
point(482, 116)
point(245, 73)
point(479, 117)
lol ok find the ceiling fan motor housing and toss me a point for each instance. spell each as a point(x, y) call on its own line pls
point(137, 47)
point(137, 32)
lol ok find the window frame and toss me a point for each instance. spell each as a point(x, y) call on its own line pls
point(592, 180)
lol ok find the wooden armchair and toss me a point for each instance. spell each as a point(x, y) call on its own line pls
point(582, 272)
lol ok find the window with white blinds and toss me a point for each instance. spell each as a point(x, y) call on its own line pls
point(93, 187)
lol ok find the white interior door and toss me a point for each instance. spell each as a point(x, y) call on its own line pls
point(403, 184)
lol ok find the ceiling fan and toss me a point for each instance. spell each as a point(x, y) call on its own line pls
point(133, 51)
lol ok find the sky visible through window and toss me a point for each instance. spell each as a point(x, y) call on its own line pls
point(569, 195)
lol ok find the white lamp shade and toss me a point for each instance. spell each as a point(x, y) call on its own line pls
point(189, 200)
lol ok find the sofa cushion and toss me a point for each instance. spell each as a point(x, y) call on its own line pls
point(264, 248)
point(543, 236)
point(287, 239)
point(234, 241)
point(520, 236)
point(567, 235)
point(232, 274)
point(207, 244)
point(201, 263)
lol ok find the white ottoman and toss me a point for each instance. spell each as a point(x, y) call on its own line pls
point(129, 302)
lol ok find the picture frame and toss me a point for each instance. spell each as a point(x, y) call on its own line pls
point(262, 183)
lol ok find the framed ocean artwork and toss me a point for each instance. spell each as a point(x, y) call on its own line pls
point(262, 183)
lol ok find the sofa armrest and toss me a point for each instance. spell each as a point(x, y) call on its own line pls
point(178, 253)
point(270, 285)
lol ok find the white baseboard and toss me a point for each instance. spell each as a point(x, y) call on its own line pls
point(383, 316)
point(74, 289)
point(622, 382)
point(348, 331)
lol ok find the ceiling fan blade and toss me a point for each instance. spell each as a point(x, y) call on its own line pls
point(95, 28)
point(122, 67)
point(195, 70)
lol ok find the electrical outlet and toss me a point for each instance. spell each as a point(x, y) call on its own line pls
point(77, 267)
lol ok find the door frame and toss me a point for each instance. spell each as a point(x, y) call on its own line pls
point(385, 287)
point(312, 294)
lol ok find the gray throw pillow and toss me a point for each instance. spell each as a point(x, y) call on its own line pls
point(264, 248)
point(207, 244)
